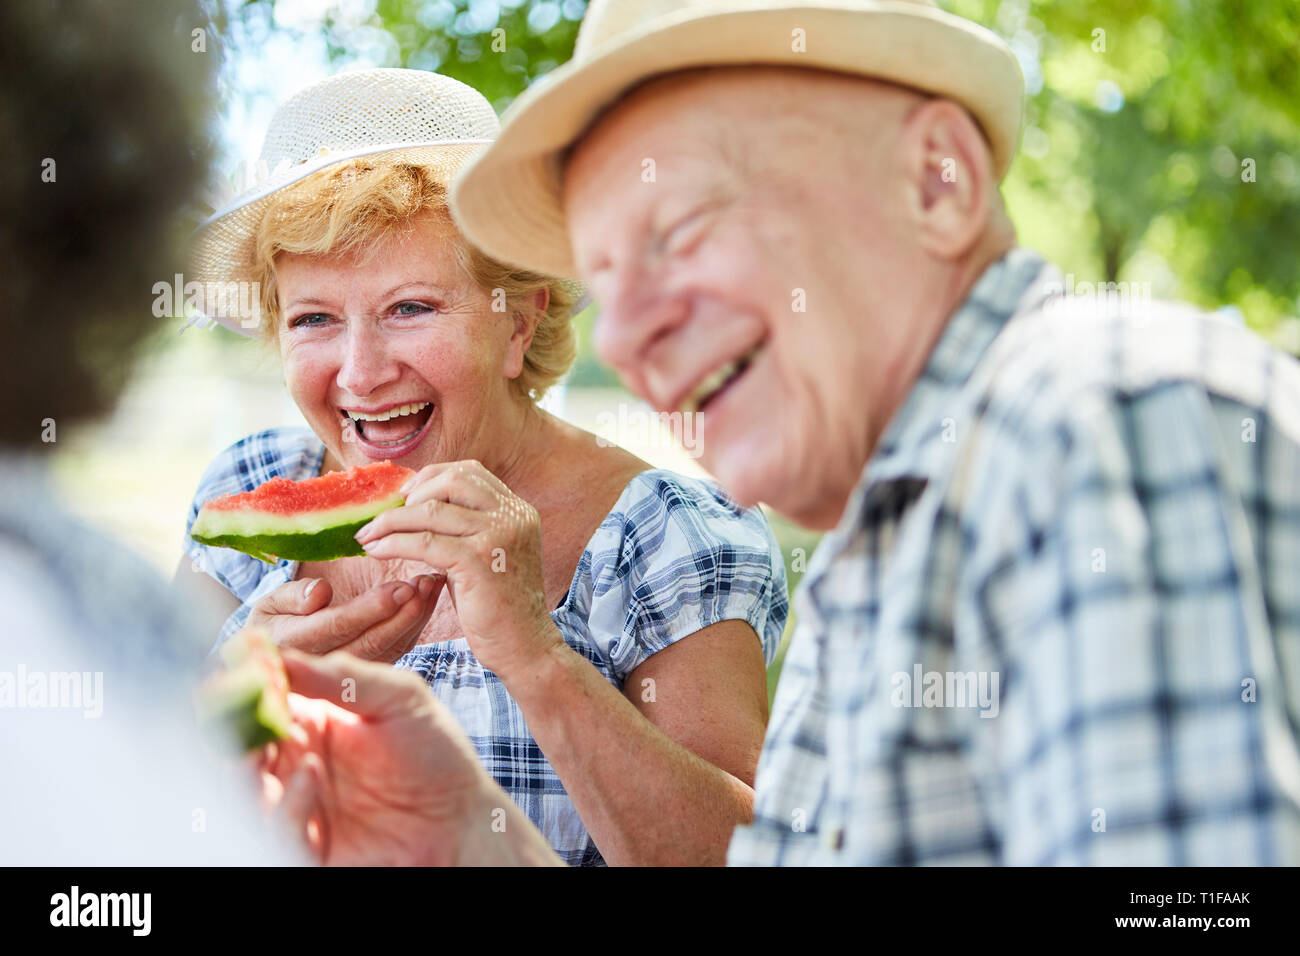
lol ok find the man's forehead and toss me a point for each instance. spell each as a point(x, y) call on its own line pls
point(649, 152)
point(724, 113)
point(652, 118)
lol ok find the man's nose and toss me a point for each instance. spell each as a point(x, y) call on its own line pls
point(633, 315)
point(366, 364)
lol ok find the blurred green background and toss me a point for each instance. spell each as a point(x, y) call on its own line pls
point(1162, 146)
point(1162, 141)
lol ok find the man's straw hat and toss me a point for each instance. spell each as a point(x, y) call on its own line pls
point(406, 115)
point(507, 199)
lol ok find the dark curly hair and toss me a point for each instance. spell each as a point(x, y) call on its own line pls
point(113, 94)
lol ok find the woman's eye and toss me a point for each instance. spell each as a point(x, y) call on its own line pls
point(412, 308)
point(311, 318)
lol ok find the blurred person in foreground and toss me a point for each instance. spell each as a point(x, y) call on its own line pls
point(1056, 616)
point(103, 764)
point(578, 579)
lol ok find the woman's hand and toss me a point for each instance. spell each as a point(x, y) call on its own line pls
point(377, 772)
point(462, 520)
point(381, 624)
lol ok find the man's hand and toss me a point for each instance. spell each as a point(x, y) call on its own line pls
point(380, 624)
point(377, 772)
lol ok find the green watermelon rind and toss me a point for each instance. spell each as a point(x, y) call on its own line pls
point(248, 699)
point(327, 545)
point(259, 721)
point(247, 706)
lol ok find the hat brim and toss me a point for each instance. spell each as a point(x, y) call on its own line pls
point(507, 200)
point(221, 250)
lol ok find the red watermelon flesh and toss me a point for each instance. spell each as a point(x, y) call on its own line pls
point(311, 520)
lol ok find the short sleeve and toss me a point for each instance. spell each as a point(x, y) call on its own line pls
point(293, 453)
point(675, 556)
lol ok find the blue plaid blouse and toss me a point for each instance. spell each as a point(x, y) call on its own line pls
point(673, 556)
point(1059, 621)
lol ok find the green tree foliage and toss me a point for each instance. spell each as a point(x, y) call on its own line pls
point(1162, 143)
point(1162, 139)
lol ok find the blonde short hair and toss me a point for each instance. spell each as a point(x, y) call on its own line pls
point(357, 204)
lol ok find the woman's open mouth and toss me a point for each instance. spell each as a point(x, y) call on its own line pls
point(390, 433)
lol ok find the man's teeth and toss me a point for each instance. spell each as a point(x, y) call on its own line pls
point(715, 380)
point(391, 413)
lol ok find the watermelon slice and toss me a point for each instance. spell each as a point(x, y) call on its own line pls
point(311, 520)
point(250, 697)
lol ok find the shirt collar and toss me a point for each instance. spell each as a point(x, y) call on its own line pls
point(913, 444)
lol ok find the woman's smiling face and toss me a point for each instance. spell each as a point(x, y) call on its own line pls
point(402, 334)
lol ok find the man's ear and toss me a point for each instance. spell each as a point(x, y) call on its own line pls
point(526, 319)
point(949, 176)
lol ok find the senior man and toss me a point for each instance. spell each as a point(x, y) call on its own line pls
point(1056, 618)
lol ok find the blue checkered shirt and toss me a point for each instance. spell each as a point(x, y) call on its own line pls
point(1059, 621)
point(675, 555)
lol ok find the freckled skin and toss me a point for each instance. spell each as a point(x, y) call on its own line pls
point(489, 546)
point(364, 352)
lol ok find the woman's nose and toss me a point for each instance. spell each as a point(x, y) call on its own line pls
point(366, 363)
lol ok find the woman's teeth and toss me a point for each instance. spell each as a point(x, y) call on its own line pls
point(391, 413)
point(392, 427)
point(718, 379)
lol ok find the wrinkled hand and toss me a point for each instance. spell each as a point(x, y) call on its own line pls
point(462, 520)
point(377, 772)
point(380, 624)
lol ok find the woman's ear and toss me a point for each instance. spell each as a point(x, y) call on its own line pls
point(949, 173)
point(526, 317)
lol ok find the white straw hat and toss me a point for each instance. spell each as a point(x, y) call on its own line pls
point(408, 115)
point(507, 199)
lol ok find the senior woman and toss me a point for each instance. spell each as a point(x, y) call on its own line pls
point(600, 628)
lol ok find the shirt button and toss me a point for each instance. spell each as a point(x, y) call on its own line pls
point(833, 838)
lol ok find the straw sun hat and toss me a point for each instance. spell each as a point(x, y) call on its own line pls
point(407, 115)
point(507, 200)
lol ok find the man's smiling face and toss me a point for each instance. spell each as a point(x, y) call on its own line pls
point(722, 229)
